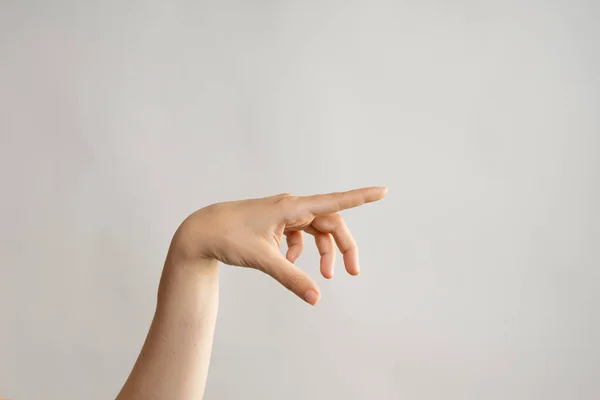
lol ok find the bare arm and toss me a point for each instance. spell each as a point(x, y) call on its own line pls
point(174, 360)
point(173, 363)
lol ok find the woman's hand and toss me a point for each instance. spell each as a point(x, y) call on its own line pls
point(248, 233)
point(174, 360)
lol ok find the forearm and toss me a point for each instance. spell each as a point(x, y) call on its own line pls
point(174, 360)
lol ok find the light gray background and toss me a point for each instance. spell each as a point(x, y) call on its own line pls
point(480, 269)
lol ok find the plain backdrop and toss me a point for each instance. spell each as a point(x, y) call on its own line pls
point(480, 270)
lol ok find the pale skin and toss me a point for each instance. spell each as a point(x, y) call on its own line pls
point(174, 360)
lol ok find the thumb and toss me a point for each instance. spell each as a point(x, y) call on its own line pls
point(291, 277)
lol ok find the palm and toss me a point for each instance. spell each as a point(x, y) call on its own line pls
point(251, 232)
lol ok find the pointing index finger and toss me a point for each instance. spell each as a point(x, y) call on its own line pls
point(323, 204)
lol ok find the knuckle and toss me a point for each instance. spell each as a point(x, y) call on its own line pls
point(284, 198)
point(292, 282)
point(285, 201)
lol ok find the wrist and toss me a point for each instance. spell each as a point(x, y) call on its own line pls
point(191, 243)
point(186, 262)
point(184, 278)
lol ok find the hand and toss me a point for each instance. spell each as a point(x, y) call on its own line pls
point(248, 233)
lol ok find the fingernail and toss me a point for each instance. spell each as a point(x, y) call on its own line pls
point(311, 297)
